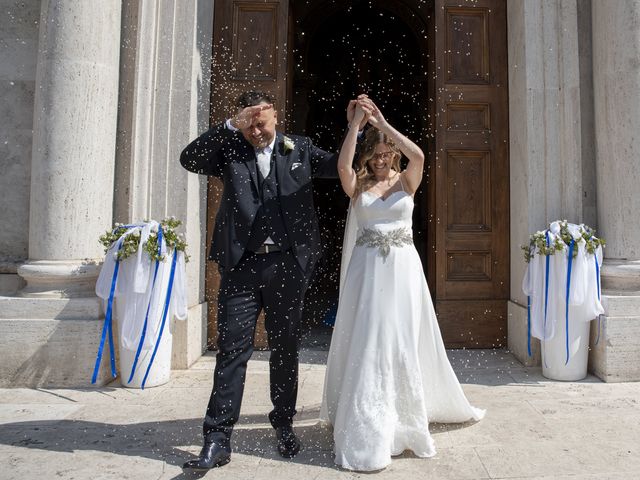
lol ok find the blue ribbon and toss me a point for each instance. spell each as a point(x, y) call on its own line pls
point(164, 315)
point(146, 317)
point(595, 258)
point(566, 310)
point(529, 325)
point(546, 293)
point(107, 327)
point(546, 286)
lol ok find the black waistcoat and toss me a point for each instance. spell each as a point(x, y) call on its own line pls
point(268, 221)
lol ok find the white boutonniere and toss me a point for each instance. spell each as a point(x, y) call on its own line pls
point(288, 144)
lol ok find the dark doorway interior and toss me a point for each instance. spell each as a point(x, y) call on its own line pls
point(340, 51)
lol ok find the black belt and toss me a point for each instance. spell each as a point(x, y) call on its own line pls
point(267, 248)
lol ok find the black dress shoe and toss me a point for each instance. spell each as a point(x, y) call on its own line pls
point(212, 455)
point(288, 443)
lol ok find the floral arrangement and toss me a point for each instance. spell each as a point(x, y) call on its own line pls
point(288, 144)
point(563, 232)
point(130, 244)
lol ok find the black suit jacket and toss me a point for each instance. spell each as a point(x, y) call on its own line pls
point(226, 154)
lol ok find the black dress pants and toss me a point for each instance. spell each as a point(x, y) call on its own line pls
point(273, 282)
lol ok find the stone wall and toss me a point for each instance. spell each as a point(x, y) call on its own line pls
point(550, 131)
point(18, 55)
point(164, 104)
point(616, 80)
point(145, 87)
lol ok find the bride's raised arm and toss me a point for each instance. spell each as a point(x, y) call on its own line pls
point(413, 173)
point(345, 160)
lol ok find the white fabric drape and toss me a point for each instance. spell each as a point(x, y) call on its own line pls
point(136, 293)
point(584, 304)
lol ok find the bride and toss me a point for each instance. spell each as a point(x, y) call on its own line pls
point(387, 374)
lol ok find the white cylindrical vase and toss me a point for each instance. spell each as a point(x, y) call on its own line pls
point(554, 351)
point(160, 371)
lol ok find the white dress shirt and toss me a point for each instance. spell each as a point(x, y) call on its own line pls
point(263, 157)
point(263, 160)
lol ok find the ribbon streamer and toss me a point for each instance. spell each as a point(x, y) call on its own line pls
point(529, 325)
point(595, 258)
point(164, 315)
point(546, 286)
point(146, 317)
point(107, 327)
point(566, 310)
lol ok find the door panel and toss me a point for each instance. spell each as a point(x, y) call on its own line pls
point(472, 173)
point(249, 53)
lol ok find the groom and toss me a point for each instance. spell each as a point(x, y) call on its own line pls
point(266, 242)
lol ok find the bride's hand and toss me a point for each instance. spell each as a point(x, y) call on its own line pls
point(376, 119)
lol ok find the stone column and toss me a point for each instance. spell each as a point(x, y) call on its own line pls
point(76, 107)
point(49, 332)
point(165, 103)
point(616, 60)
point(548, 136)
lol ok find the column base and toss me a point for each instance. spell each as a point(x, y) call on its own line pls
point(59, 279)
point(621, 276)
point(190, 337)
point(517, 336)
point(616, 357)
point(51, 342)
point(10, 283)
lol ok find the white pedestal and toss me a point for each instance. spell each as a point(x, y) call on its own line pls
point(554, 352)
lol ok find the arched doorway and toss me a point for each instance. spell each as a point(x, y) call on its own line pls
point(340, 50)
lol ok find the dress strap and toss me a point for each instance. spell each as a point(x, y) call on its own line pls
point(401, 184)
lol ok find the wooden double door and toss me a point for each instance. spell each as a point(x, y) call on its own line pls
point(438, 70)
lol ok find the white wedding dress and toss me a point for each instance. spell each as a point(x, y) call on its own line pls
point(387, 374)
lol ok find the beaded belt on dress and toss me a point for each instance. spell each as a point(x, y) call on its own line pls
point(383, 241)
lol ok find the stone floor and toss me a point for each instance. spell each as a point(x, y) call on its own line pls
point(534, 428)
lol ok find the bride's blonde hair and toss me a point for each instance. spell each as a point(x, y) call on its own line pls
point(372, 137)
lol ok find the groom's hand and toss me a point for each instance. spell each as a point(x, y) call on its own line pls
point(351, 110)
point(245, 117)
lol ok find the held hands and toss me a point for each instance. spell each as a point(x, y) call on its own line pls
point(245, 117)
point(375, 117)
point(363, 110)
point(355, 117)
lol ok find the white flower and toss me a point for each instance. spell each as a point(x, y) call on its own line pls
point(288, 144)
point(574, 230)
point(555, 228)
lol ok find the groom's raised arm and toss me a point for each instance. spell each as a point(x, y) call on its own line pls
point(325, 164)
point(203, 155)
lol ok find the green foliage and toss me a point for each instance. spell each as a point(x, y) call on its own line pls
point(130, 244)
point(538, 243)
